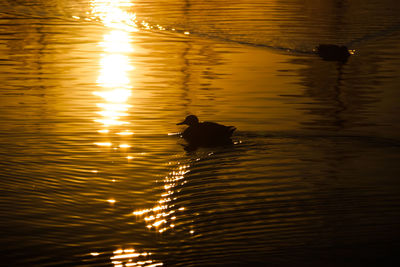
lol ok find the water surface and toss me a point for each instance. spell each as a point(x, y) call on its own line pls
point(93, 172)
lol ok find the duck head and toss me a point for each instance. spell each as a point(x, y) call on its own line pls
point(189, 120)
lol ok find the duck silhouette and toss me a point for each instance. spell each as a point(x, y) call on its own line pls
point(331, 52)
point(206, 134)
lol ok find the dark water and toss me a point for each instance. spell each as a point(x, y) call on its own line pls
point(92, 172)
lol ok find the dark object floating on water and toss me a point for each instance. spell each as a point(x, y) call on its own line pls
point(205, 134)
point(331, 52)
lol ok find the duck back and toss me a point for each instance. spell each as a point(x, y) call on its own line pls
point(208, 134)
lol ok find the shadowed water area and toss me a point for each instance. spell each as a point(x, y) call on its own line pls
point(93, 171)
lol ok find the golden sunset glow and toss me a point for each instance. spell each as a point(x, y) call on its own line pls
point(199, 133)
point(112, 13)
point(103, 144)
point(118, 95)
point(124, 146)
point(114, 83)
point(125, 133)
point(117, 41)
point(111, 201)
point(131, 257)
point(161, 216)
point(114, 68)
point(103, 131)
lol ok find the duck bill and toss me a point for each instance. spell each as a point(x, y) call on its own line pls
point(181, 123)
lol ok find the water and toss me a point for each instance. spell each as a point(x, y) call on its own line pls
point(94, 174)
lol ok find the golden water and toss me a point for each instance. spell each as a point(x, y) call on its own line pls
point(94, 173)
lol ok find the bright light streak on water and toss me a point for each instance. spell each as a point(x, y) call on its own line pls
point(115, 64)
point(113, 16)
point(165, 212)
point(130, 257)
point(94, 172)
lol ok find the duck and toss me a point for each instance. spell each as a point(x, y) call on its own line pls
point(206, 134)
point(332, 52)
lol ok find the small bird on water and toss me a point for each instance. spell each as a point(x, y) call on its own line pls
point(206, 134)
point(331, 52)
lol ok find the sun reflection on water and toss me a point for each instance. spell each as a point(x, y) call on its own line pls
point(163, 215)
point(117, 41)
point(115, 91)
point(112, 13)
point(131, 257)
point(115, 65)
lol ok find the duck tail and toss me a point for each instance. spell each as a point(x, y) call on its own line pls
point(231, 129)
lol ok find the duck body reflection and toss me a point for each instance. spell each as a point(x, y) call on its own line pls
point(205, 134)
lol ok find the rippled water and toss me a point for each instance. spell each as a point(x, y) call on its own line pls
point(93, 171)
